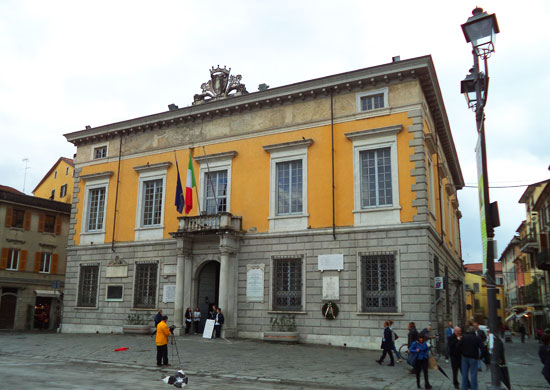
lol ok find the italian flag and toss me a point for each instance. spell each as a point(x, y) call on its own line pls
point(189, 186)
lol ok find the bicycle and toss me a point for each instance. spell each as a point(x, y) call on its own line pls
point(434, 351)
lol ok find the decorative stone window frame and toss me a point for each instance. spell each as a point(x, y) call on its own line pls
point(360, 95)
point(107, 299)
point(283, 152)
point(272, 259)
point(378, 138)
point(398, 302)
point(99, 146)
point(431, 185)
point(213, 163)
point(148, 173)
point(140, 262)
point(94, 181)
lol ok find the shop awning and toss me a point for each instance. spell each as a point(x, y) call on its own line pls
point(47, 293)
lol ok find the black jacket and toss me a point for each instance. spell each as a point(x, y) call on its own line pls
point(220, 318)
point(387, 341)
point(544, 355)
point(470, 346)
point(452, 343)
point(413, 336)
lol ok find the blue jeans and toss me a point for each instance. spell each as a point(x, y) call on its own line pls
point(469, 365)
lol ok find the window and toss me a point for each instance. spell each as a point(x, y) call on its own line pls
point(145, 289)
point(289, 187)
point(63, 191)
point(215, 197)
point(378, 283)
point(375, 173)
point(52, 195)
point(376, 181)
point(373, 100)
point(87, 288)
point(55, 175)
point(66, 171)
point(477, 305)
point(431, 190)
point(114, 293)
point(215, 182)
point(152, 202)
point(499, 280)
point(18, 218)
point(476, 287)
point(287, 284)
point(45, 263)
point(100, 152)
point(49, 224)
point(96, 208)
point(13, 260)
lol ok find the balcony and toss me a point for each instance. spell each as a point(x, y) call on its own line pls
point(209, 224)
point(542, 260)
point(528, 243)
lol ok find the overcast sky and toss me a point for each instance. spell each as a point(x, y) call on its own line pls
point(68, 64)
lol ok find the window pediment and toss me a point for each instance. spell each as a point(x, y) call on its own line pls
point(380, 131)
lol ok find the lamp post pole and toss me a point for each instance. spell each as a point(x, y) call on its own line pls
point(480, 30)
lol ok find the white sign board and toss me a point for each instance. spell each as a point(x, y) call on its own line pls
point(331, 287)
point(255, 283)
point(169, 293)
point(330, 262)
point(208, 329)
point(438, 283)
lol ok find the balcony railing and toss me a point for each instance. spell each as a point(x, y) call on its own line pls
point(209, 223)
point(528, 243)
point(542, 260)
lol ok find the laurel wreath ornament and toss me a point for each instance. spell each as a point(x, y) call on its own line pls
point(330, 310)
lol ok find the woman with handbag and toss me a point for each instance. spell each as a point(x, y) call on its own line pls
point(422, 351)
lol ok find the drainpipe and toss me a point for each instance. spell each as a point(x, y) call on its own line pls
point(116, 193)
point(332, 140)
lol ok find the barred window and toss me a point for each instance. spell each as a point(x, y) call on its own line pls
point(287, 284)
point(145, 290)
point(96, 206)
point(45, 262)
point(216, 192)
point(87, 289)
point(152, 202)
point(289, 187)
point(378, 283)
point(376, 180)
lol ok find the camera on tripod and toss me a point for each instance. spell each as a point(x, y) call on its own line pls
point(172, 327)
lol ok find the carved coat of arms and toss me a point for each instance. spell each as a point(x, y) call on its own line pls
point(220, 85)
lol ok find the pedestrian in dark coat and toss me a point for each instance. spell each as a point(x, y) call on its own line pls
point(413, 334)
point(188, 320)
point(422, 351)
point(387, 345)
point(454, 353)
point(470, 346)
point(544, 354)
point(157, 319)
point(522, 332)
point(219, 320)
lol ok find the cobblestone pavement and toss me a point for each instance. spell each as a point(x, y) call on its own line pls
point(73, 361)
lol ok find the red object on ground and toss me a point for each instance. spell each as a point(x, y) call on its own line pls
point(121, 349)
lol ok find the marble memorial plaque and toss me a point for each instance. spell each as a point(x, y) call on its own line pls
point(169, 269)
point(169, 293)
point(330, 262)
point(331, 287)
point(116, 271)
point(255, 282)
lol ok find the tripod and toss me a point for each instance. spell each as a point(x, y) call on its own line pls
point(175, 346)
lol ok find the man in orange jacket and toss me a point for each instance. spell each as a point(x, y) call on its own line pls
point(163, 331)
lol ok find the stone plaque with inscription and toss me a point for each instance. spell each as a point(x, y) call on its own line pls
point(169, 293)
point(255, 282)
point(169, 269)
point(331, 287)
point(330, 262)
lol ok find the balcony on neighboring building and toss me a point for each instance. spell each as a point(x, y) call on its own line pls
point(542, 260)
point(528, 243)
point(209, 224)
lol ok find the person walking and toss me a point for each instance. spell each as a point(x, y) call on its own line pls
point(188, 320)
point(469, 346)
point(422, 351)
point(219, 320)
point(197, 319)
point(522, 332)
point(412, 337)
point(448, 333)
point(162, 342)
point(544, 355)
point(454, 353)
point(481, 334)
point(387, 345)
point(395, 337)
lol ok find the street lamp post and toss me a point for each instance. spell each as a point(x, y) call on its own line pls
point(480, 29)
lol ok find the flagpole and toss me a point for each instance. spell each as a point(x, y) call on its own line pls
point(196, 191)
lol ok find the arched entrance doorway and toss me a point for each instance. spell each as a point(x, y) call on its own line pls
point(208, 288)
point(8, 304)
